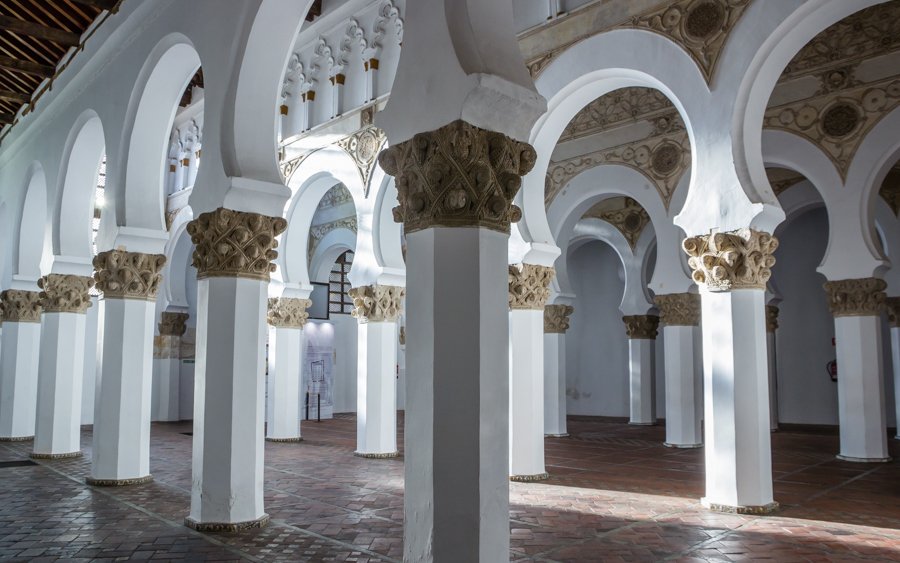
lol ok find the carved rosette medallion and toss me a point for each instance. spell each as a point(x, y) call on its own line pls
point(288, 312)
point(856, 297)
point(65, 293)
point(893, 311)
point(377, 303)
point(641, 327)
point(529, 286)
point(363, 147)
point(556, 318)
point(740, 259)
point(18, 306)
point(679, 309)
point(235, 244)
point(128, 275)
point(458, 176)
point(173, 324)
point(771, 318)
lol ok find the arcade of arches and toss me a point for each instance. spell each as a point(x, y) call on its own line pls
point(384, 280)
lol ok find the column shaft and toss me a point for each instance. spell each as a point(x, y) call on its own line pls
point(167, 380)
point(642, 392)
point(376, 390)
point(555, 384)
point(286, 346)
point(526, 395)
point(684, 397)
point(19, 379)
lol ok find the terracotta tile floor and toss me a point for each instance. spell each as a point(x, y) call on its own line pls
point(615, 494)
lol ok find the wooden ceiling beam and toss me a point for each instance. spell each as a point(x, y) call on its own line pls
point(101, 4)
point(15, 97)
point(7, 118)
point(39, 31)
point(27, 67)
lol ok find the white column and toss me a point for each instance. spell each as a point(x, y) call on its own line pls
point(680, 316)
point(641, 330)
point(556, 323)
point(129, 282)
point(732, 270)
point(377, 308)
point(58, 424)
point(21, 340)
point(287, 346)
point(893, 309)
point(167, 367)
point(771, 327)
point(856, 305)
point(227, 487)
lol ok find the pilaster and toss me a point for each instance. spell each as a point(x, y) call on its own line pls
point(286, 318)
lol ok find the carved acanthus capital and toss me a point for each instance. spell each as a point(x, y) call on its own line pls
point(235, 244)
point(556, 318)
point(679, 309)
point(857, 297)
point(641, 327)
point(65, 293)
point(529, 286)
point(741, 259)
point(458, 176)
point(377, 303)
point(288, 312)
point(20, 306)
point(173, 324)
point(893, 310)
point(128, 275)
point(771, 318)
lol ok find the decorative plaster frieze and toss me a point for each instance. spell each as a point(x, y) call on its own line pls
point(173, 323)
point(288, 312)
point(377, 303)
point(741, 259)
point(856, 297)
point(622, 106)
point(556, 318)
point(781, 179)
point(529, 286)
point(641, 327)
point(363, 147)
point(679, 309)
point(335, 197)
point(18, 306)
point(288, 167)
point(65, 293)
point(458, 176)
point(128, 275)
point(318, 232)
point(623, 213)
point(235, 244)
point(893, 310)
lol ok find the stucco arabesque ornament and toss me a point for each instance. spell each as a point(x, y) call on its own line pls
point(128, 275)
point(679, 309)
point(235, 244)
point(288, 312)
point(529, 286)
point(377, 303)
point(458, 176)
point(363, 147)
point(65, 293)
point(630, 219)
point(741, 259)
point(556, 318)
point(856, 297)
point(173, 324)
point(318, 232)
point(641, 327)
point(19, 306)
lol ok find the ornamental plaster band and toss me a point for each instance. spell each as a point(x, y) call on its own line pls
point(128, 275)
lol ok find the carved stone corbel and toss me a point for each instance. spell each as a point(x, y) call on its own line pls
point(288, 312)
point(641, 327)
point(893, 310)
point(679, 309)
point(862, 297)
point(741, 259)
point(65, 293)
point(529, 286)
point(128, 275)
point(771, 318)
point(20, 306)
point(235, 244)
point(173, 324)
point(556, 318)
point(377, 303)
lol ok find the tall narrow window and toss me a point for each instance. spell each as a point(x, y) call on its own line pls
point(339, 300)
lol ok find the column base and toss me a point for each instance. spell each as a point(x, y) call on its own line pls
point(227, 527)
point(16, 438)
point(118, 482)
point(284, 440)
point(529, 478)
point(864, 459)
point(728, 509)
point(387, 455)
point(682, 446)
point(642, 423)
point(564, 435)
point(68, 455)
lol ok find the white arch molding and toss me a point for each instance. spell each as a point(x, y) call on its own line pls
point(330, 248)
point(178, 253)
point(32, 252)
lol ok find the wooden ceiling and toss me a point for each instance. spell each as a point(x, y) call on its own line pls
point(34, 37)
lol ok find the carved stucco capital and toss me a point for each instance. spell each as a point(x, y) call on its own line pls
point(893, 310)
point(529, 286)
point(741, 259)
point(20, 306)
point(128, 275)
point(65, 293)
point(641, 327)
point(235, 244)
point(856, 297)
point(679, 309)
point(458, 176)
point(377, 303)
point(288, 312)
point(173, 324)
point(771, 318)
point(556, 318)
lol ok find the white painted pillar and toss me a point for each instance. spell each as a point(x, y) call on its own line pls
point(287, 347)
point(680, 316)
point(21, 340)
point(856, 305)
point(167, 367)
point(893, 309)
point(771, 327)
point(91, 345)
point(129, 282)
point(227, 487)
point(641, 330)
point(58, 424)
point(377, 308)
point(556, 323)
